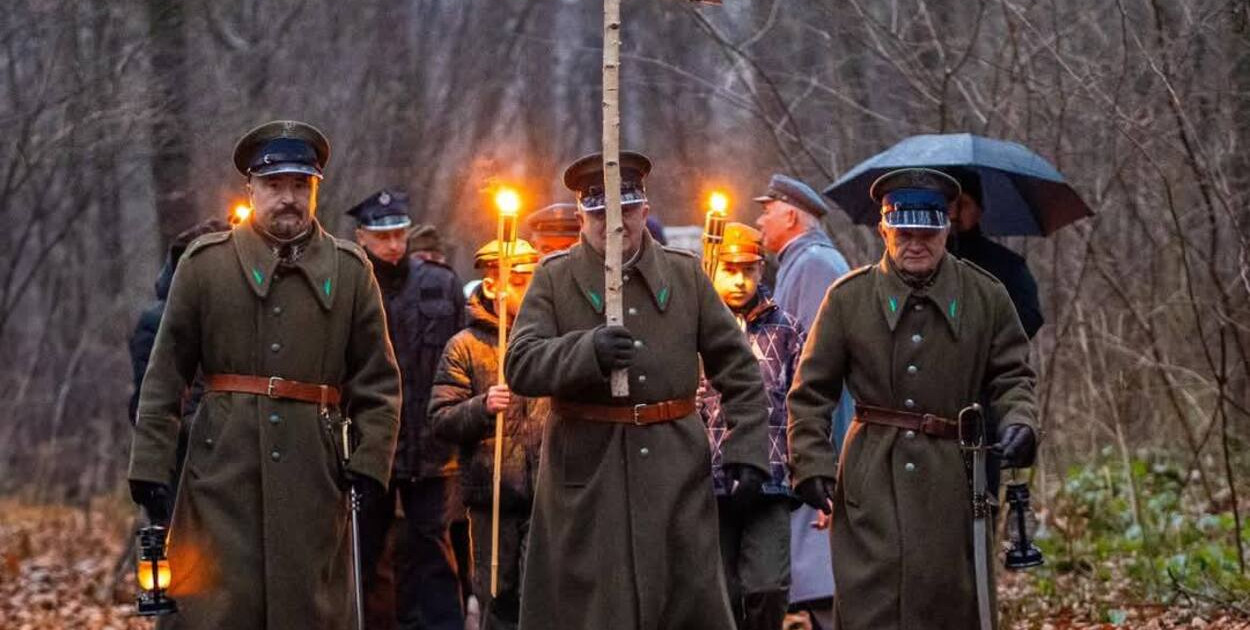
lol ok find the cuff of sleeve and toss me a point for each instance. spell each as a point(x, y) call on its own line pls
point(747, 443)
point(804, 468)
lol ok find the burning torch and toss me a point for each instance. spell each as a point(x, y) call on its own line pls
point(153, 573)
point(714, 231)
point(508, 202)
point(240, 214)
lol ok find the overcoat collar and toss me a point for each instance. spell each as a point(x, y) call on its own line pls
point(318, 264)
point(945, 293)
point(652, 265)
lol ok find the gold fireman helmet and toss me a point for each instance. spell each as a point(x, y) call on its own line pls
point(524, 258)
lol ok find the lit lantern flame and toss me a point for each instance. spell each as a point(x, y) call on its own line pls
point(145, 575)
point(718, 202)
point(508, 201)
point(240, 213)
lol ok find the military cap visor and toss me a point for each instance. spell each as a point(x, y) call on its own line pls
point(522, 258)
point(585, 177)
point(914, 209)
point(382, 211)
point(282, 146)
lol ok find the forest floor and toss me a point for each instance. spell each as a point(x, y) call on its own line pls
point(59, 568)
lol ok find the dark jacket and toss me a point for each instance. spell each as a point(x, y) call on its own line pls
point(776, 339)
point(470, 366)
point(1009, 268)
point(423, 310)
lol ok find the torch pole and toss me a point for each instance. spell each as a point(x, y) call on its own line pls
point(506, 238)
point(614, 306)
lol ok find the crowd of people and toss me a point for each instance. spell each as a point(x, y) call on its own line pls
point(784, 447)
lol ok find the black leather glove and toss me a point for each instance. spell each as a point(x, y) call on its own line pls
point(614, 348)
point(155, 498)
point(1017, 446)
point(746, 487)
point(817, 492)
point(367, 488)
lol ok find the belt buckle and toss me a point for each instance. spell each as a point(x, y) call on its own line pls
point(273, 382)
point(638, 408)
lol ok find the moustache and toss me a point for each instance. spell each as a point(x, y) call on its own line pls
point(286, 210)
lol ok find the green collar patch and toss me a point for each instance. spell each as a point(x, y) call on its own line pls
point(258, 275)
point(893, 304)
point(596, 300)
point(952, 307)
point(662, 296)
point(326, 287)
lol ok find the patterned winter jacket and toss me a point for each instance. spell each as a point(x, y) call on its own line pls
point(776, 338)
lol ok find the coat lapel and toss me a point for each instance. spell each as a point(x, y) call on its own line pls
point(651, 265)
point(318, 264)
point(256, 260)
point(944, 293)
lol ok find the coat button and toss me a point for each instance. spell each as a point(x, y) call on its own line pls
point(918, 307)
point(916, 338)
point(633, 311)
point(625, 278)
point(637, 343)
point(642, 378)
point(909, 403)
point(274, 418)
point(275, 455)
point(910, 434)
point(909, 467)
point(274, 347)
point(208, 442)
point(911, 369)
point(644, 451)
point(277, 310)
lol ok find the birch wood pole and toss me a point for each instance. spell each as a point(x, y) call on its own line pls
point(614, 306)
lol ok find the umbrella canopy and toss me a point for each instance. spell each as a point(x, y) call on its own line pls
point(1021, 194)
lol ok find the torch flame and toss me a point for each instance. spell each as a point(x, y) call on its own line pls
point(507, 201)
point(718, 202)
point(241, 212)
point(145, 575)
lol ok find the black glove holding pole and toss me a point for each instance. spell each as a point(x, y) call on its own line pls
point(614, 348)
point(156, 499)
point(1017, 446)
point(817, 492)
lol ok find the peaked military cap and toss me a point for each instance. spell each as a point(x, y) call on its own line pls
point(282, 146)
point(915, 198)
point(585, 177)
point(796, 193)
point(557, 219)
point(381, 211)
point(741, 243)
point(424, 238)
point(523, 258)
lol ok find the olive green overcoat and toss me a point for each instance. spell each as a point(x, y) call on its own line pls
point(259, 535)
point(902, 533)
point(624, 527)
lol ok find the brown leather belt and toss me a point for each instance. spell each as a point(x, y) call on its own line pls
point(925, 423)
point(641, 414)
point(273, 387)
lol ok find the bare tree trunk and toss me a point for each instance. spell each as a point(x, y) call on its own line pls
point(171, 130)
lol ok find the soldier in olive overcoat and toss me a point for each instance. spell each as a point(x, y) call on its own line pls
point(286, 324)
point(915, 338)
point(623, 531)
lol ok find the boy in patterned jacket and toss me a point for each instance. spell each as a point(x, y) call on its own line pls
point(755, 531)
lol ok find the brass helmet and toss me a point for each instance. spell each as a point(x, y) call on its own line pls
point(524, 258)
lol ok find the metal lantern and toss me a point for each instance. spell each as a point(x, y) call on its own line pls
point(1023, 553)
point(153, 573)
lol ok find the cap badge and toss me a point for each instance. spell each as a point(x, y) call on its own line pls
point(384, 198)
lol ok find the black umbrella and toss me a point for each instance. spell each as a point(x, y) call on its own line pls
point(1021, 194)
